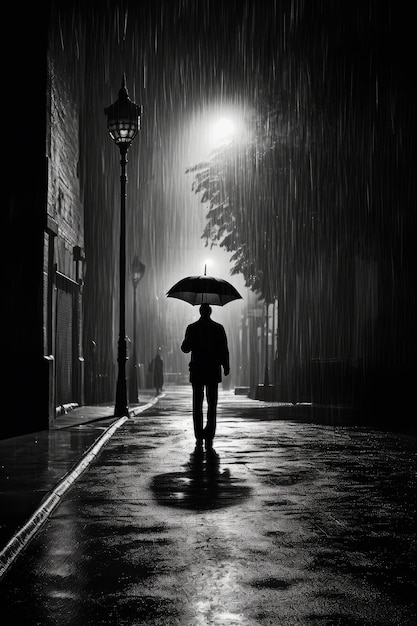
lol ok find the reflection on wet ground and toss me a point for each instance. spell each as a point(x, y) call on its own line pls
point(285, 523)
point(201, 486)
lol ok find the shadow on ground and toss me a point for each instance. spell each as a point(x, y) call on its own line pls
point(201, 486)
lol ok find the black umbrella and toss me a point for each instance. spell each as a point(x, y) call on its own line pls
point(204, 289)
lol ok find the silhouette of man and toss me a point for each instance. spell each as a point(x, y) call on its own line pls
point(207, 342)
point(156, 369)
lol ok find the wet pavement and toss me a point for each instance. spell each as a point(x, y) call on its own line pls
point(36, 469)
point(285, 522)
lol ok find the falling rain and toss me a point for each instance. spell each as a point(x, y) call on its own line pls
point(276, 150)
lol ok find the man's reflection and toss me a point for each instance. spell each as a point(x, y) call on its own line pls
point(204, 474)
point(202, 486)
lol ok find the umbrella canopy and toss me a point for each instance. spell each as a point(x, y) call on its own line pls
point(204, 289)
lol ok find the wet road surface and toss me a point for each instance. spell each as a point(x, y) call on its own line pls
point(284, 523)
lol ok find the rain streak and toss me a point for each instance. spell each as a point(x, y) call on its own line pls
point(275, 150)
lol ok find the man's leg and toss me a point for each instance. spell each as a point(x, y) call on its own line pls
point(212, 395)
point(198, 396)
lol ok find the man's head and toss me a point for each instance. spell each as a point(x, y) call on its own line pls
point(205, 310)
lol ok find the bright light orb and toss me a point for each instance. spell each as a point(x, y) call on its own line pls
point(223, 130)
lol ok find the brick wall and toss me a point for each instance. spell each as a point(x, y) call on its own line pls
point(64, 195)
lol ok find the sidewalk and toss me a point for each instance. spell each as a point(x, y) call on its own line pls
point(286, 522)
point(38, 468)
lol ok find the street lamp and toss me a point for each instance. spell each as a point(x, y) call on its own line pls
point(137, 271)
point(123, 122)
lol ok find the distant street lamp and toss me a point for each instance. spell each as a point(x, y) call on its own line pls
point(137, 271)
point(123, 123)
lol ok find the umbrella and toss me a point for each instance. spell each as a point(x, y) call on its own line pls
point(204, 289)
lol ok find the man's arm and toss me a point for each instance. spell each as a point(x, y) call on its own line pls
point(186, 344)
point(225, 359)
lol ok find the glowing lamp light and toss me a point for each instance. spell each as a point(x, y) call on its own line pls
point(123, 118)
point(223, 130)
point(138, 270)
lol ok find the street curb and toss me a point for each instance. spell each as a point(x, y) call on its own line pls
point(22, 538)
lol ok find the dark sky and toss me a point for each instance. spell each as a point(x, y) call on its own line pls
point(342, 65)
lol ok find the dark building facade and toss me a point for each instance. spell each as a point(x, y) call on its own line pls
point(42, 336)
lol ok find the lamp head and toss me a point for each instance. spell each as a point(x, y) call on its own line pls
point(137, 270)
point(123, 118)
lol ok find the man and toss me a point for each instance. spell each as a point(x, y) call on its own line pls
point(207, 342)
point(156, 370)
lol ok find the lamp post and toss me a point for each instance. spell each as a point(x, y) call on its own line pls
point(137, 271)
point(123, 122)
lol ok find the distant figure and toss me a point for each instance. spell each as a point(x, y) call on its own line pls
point(156, 369)
point(207, 342)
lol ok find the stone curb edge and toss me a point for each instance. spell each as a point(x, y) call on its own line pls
point(21, 539)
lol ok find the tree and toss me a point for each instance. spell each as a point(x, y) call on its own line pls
point(256, 208)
